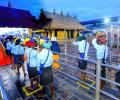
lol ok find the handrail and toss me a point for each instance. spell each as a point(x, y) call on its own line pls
point(98, 76)
point(78, 69)
point(74, 78)
point(91, 61)
point(105, 79)
point(109, 95)
point(75, 64)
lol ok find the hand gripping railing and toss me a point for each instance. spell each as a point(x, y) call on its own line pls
point(97, 75)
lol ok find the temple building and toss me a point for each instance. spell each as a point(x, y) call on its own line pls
point(59, 25)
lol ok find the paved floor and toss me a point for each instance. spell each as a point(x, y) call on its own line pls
point(65, 87)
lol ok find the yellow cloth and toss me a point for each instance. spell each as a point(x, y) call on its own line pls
point(26, 40)
point(42, 41)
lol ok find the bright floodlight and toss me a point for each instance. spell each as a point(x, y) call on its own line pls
point(106, 20)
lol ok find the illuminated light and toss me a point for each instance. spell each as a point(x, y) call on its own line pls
point(106, 20)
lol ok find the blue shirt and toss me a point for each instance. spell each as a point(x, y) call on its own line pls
point(9, 45)
point(42, 56)
point(31, 57)
point(12, 47)
point(18, 50)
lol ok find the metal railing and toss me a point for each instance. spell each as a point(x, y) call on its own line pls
point(97, 76)
point(113, 59)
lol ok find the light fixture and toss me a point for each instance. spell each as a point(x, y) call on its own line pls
point(106, 20)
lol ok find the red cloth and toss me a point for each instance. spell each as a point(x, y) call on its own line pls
point(4, 59)
point(30, 44)
point(100, 34)
point(102, 40)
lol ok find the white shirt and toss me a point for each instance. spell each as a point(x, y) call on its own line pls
point(18, 49)
point(101, 50)
point(42, 56)
point(81, 47)
point(31, 56)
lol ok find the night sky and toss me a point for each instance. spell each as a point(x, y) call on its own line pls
point(83, 9)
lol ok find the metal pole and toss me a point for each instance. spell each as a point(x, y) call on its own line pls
point(98, 74)
point(65, 42)
point(111, 29)
point(118, 38)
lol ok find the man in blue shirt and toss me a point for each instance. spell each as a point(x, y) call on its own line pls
point(31, 55)
point(18, 56)
point(44, 65)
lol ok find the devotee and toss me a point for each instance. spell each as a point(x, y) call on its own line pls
point(21, 57)
point(44, 61)
point(55, 45)
point(83, 47)
point(12, 51)
point(5, 42)
point(18, 56)
point(9, 47)
point(31, 55)
point(100, 45)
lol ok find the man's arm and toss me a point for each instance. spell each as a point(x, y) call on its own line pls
point(94, 42)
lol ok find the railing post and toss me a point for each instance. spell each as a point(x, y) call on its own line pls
point(65, 41)
point(98, 74)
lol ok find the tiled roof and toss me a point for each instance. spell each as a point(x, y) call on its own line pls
point(11, 17)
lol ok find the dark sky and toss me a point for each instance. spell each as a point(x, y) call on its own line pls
point(83, 9)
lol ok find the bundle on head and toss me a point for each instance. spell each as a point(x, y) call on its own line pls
point(81, 37)
point(101, 37)
point(45, 43)
point(101, 40)
point(100, 34)
point(30, 43)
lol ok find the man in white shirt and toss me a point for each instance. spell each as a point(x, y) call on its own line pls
point(83, 47)
point(101, 50)
point(44, 61)
point(102, 53)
